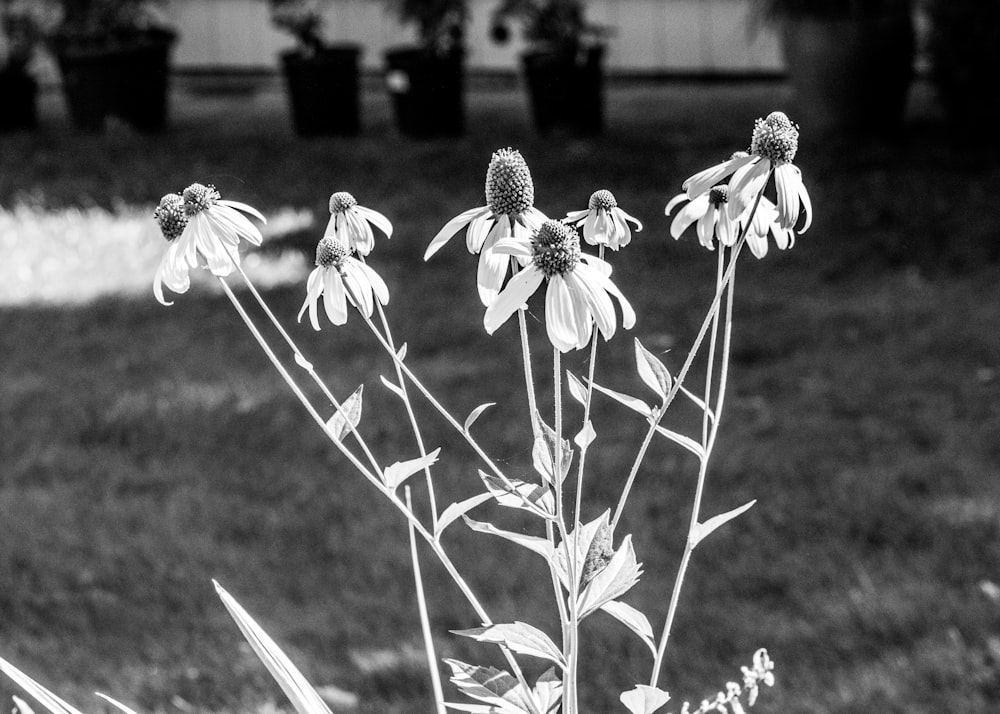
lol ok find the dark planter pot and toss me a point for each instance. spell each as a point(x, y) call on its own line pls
point(566, 90)
point(849, 75)
point(127, 76)
point(18, 106)
point(324, 91)
point(428, 91)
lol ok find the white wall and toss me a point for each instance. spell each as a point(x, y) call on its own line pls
point(650, 35)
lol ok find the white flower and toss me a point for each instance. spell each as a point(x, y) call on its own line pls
point(335, 267)
point(578, 292)
point(766, 222)
point(509, 212)
point(200, 224)
point(349, 223)
point(604, 223)
point(774, 143)
point(708, 212)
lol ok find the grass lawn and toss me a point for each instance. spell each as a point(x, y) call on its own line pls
point(146, 450)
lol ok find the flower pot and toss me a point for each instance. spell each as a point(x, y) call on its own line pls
point(18, 106)
point(428, 91)
point(124, 75)
point(566, 89)
point(849, 75)
point(324, 91)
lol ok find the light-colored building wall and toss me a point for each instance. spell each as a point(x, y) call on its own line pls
point(655, 36)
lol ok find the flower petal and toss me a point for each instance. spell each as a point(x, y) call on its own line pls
point(626, 217)
point(788, 180)
point(704, 180)
point(377, 219)
point(706, 227)
point(379, 287)
point(807, 207)
point(519, 288)
point(561, 315)
point(673, 203)
point(745, 185)
point(243, 207)
point(491, 272)
point(451, 228)
point(688, 215)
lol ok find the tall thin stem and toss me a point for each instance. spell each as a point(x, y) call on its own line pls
point(425, 622)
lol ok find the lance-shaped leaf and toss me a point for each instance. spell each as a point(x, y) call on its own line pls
point(543, 453)
point(699, 402)
point(518, 637)
point(632, 403)
point(452, 512)
point(633, 620)
point(493, 686)
point(401, 352)
point(529, 497)
point(686, 441)
point(613, 581)
point(532, 543)
point(46, 698)
point(117, 704)
point(348, 416)
point(576, 388)
point(392, 387)
point(21, 706)
point(402, 470)
point(702, 530)
point(644, 699)
point(301, 694)
point(583, 540)
point(651, 370)
point(586, 436)
point(548, 691)
point(475, 414)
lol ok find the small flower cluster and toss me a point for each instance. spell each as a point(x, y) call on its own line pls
point(729, 701)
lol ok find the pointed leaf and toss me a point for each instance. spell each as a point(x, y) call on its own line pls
point(474, 414)
point(452, 512)
point(686, 441)
point(651, 370)
point(401, 353)
point(491, 685)
point(576, 388)
point(585, 436)
point(518, 637)
point(303, 697)
point(583, 540)
point(347, 417)
point(633, 620)
point(548, 691)
point(117, 704)
point(613, 581)
point(631, 402)
point(698, 401)
point(532, 543)
point(704, 529)
point(46, 698)
point(543, 453)
point(644, 699)
point(21, 706)
point(392, 387)
point(304, 364)
point(402, 470)
point(526, 496)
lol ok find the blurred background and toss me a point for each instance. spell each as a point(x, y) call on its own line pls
point(145, 450)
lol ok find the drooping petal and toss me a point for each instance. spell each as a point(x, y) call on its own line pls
point(577, 216)
point(724, 229)
point(621, 229)
point(243, 207)
point(590, 231)
point(787, 181)
point(519, 288)
point(479, 229)
point(745, 185)
point(376, 219)
point(626, 217)
point(674, 202)
point(236, 221)
point(599, 304)
point(561, 315)
point(379, 287)
point(688, 215)
point(451, 228)
point(514, 247)
point(172, 272)
point(806, 206)
point(314, 287)
point(532, 219)
point(491, 272)
point(704, 180)
point(604, 280)
point(333, 297)
point(758, 244)
point(359, 288)
point(706, 227)
point(360, 232)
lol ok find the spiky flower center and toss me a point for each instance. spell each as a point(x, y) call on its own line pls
point(198, 197)
point(170, 216)
point(509, 189)
point(603, 199)
point(775, 138)
point(717, 195)
point(341, 201)
point(330, 253)
point(556, 248)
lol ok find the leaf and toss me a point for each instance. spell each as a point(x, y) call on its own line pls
point(576, 388)
point(45, 697)
point(301, 694)
point(631, 402)
point(392, 387)
point(644, 699)
point(401, 353)
point(543, 453)
point(347, 417)
point(548, 691)
point(398, 472)
point(632, 619)
point(698, 401)
point(651, 370)
point(686, 441)
point(583, 540)
point(532, 543)
point(702, 530)
point(613, 581)
point(586, 436)
point(526, 496)
point(21, 706)
point(452, 512)
point(474, 414)
point(518, 637)
point(491, 685)
point(117, 704)
point(308, 367)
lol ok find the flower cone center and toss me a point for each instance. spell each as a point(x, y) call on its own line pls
point(509, 189)
point(556, 248)
point(170, 216)
point(198, 197)
point(603, 199)
point(330, 253)
point(341, 201)
point(775, 138)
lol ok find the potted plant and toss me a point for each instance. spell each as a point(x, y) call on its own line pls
point(964, 46)
point(22, 26)
point(849, 62)
point(322, 79)
point(114, 57)
point(427, 81)
point(563, 65)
